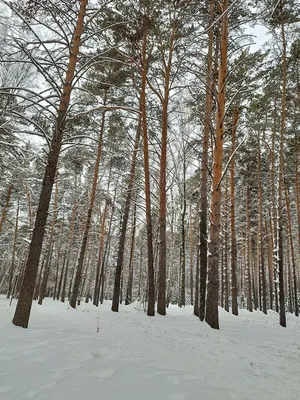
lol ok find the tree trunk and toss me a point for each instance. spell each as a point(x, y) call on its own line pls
point(5, 208)
point(280, 261)
point(12, 267)
point(211, 310)
point(270, 262)
point(23, 308)
point(102, 234)
point(151, 284)
point(70, 243)
point(122, 236)
point(183, 241)
point(273, 194)
point(87, 227)
point(261, 232)
point(292, 252)
point(52, 231)
point(60, 282)
point(248, 236)
point(162, 264)
point(105, 257)
point(43, 283)
point(297, 188)
point(210, 85)
point(128, 299)
point(225, 249)
point(191, 258)
point(234, 291)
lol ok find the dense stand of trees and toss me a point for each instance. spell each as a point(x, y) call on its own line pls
point(149, 153)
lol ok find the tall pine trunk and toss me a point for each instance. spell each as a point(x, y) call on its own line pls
point(211, 308)
point(23, 308)
point(42, 289)
point(87, 226)
point(292, 252)
point(151, 284)
point(6, 207)
point(204, 166)
point(234, 289)
point(263, 292)
point(12, 266)
point(122, 237)
point(162, 264)
point(183, 238)
point(128, 298)
point(280, 261)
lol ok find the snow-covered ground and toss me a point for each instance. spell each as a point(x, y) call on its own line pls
point(133, 357)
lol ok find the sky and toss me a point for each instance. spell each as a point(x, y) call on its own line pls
point(260, 36)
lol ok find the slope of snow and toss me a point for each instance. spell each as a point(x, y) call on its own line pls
point(133, 357)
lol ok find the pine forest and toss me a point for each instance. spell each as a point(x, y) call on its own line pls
point(150, 167)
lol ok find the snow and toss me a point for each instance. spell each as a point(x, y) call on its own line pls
point(133, 357)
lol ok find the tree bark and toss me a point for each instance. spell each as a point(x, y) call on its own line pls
point(261, 232)
point(191, 257)
point(151, 284)
point(211, 309)
point(128, 298)
point(162, 264)
point(43, 286)
point(12, 267)
point(87, 227)
point(268, 231)
point(280, 261)
point(120, 257)
point(292, 252)
point(234, 289)
point(225, 249)
point(183, 239)
point(5, 208)
point(297, 188)
point(210, 84)
point(102, 234)
point(70, 243)
point(23, 308)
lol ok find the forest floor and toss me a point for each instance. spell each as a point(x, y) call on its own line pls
point(63, 355)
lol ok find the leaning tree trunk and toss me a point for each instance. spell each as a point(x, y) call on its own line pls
point(87, 226)
point(211, 309)
point(23, 308)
